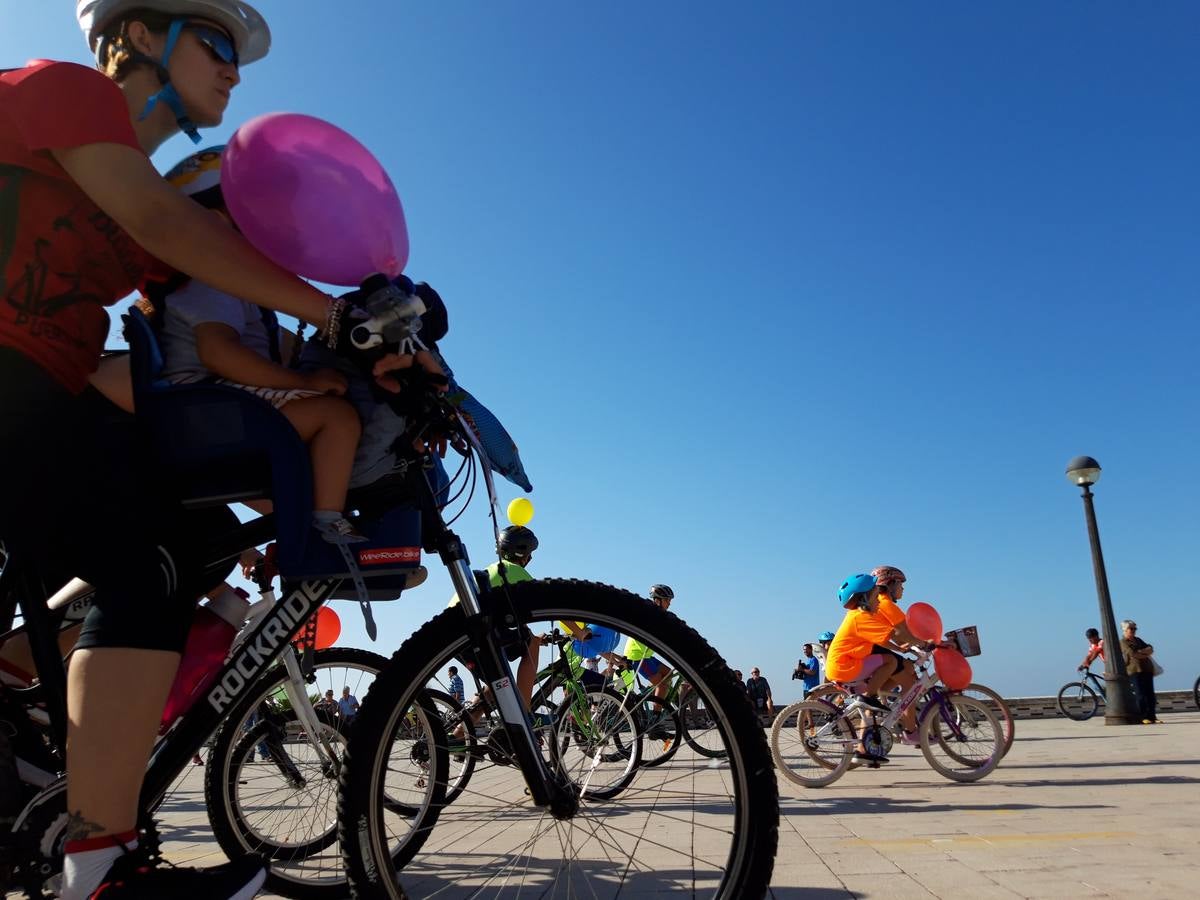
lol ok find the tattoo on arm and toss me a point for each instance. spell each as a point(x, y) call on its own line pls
point(79, 828)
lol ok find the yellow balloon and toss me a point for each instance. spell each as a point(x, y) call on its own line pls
point(520, 511)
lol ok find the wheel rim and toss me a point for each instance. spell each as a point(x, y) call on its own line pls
point(295, 827)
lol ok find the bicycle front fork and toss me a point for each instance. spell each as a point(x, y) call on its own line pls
point(555, 794)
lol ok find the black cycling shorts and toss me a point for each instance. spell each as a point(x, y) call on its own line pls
point(81, 499)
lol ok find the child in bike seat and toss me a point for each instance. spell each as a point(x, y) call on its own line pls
point(207, 335)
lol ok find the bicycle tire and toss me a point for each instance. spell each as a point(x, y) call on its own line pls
point(744, 870)
point(1076, 692)
point(234, 833)
point(832, 761)
point(689, 736)
point(660, 723)
point(970, 710)
point(1196, 693)
point(457, 780)
point(1003, 713)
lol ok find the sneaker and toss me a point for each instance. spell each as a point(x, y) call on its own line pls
point(911, 738)
point(130, 878)
point(873, 702)
point(869, 759)
point(197, 761)
point(541, 720)
point(339, 531)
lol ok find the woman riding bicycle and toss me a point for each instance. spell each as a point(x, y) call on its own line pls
point(84, 219)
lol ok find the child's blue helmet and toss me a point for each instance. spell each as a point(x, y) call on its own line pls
point(855, 584)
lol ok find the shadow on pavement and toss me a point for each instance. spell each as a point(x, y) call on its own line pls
point(1096, 782)
point(1014, 765)
point(823, 806)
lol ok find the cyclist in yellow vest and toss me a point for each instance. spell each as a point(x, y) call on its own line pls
point(655, 671)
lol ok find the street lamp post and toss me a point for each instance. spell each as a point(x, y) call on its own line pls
point(1119, 708)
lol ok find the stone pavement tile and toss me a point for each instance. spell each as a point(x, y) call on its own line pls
point(992, 862)
point(1049, 885)
point(859, 861)
point(984, 890)
point(888, 887)
point(823, 845)
point(811, 875)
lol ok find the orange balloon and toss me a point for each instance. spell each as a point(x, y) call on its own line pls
point(329, 627)
point(924, 622)
point(952, 667)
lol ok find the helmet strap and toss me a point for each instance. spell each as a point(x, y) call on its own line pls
point(168, 94)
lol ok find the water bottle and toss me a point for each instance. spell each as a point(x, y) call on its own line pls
point(215, 626)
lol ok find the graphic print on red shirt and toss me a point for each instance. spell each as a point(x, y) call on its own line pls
point(62, 260)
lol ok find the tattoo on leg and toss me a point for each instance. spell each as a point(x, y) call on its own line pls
point(79, 828)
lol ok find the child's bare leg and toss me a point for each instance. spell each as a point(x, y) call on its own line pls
point(331, 428)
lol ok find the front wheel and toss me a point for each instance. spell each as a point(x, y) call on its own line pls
point(961, 738)
point(596, 742)
point(723, 814)
point(269, 791)
point(815, 749)
point(699, 729)
point(1077, 701)
point(1196, 693)
point(995, 702)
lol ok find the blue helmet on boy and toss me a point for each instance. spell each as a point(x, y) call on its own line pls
point(855, 584)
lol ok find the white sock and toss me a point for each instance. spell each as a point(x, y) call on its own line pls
point(86, 862)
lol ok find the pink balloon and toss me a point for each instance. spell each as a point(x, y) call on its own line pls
point(952, 667)
point(313, 199)
point(924, 622)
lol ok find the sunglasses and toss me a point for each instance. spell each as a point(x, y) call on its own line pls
point(216, 42)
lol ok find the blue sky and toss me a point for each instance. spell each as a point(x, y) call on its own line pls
point(772, 295)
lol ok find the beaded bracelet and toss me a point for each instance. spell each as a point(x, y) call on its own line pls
point(333, 322)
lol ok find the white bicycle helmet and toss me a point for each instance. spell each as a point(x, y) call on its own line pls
point(244, 23)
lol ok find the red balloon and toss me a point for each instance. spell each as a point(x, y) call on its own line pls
point(329, 627)
point(924, 622)
point(952, 667)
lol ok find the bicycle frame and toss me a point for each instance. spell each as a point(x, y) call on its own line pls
point(1095, 681)
point(926, 685)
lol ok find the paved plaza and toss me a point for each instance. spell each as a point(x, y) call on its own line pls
point(1075, 810)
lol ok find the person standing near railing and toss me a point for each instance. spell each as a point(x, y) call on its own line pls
point(1140, 667)
point(808, 670)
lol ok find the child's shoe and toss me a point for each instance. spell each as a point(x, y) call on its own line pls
point(339, 531)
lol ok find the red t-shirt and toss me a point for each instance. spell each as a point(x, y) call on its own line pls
point(62, 260)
